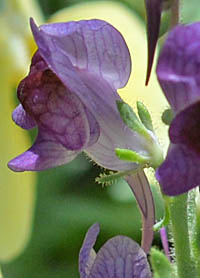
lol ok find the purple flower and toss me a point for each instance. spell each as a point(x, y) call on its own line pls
point(70, 95)
point(153, 9)
point(120, 257)
point(178, 72)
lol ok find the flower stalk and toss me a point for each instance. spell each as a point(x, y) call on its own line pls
point(179, 220)
point(196, 235)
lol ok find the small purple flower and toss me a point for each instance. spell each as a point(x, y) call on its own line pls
point(178, 72)
point(120, 257)
point(70, 95)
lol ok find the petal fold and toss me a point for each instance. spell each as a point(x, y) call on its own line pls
point(45, 153)
point(111, 125)
point(22, 118)
point(92, 45)
point(87, 253)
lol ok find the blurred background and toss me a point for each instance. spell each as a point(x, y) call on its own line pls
point(44, 216)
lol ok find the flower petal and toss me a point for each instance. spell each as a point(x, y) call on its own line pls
point(114, 133)
point(121, 16)
point(87, 253)
point(45, 153)
point(153, 9)
point(180, 171)
point(120, 257)
point(92, 45)
point(94, 128)
point(185, 128)
point(22, 118)
point(99, 97)
point(55, 108)
point(179, 66)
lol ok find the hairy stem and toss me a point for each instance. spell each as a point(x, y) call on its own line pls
point(179, 219)
point(196, 234)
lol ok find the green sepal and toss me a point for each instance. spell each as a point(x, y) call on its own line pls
point(130, 118)
point(162, 268)
point(167, 116)
point(166, 219)
point(107, 179)
point(129, 155)
point(144, 115)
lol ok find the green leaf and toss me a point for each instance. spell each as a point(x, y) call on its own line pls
point(166, 219)
point(144, 115)
point(161, 266)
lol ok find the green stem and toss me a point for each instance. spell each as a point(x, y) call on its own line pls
point(179, 219)
point(196, 235)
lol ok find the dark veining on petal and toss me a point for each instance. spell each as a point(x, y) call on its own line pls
point(54, 108)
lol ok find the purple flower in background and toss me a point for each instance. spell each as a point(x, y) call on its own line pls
point(120, 257)
point(178, 72)
point(70, 95)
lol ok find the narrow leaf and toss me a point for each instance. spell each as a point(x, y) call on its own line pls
point(130, 118)
point(144, 115)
